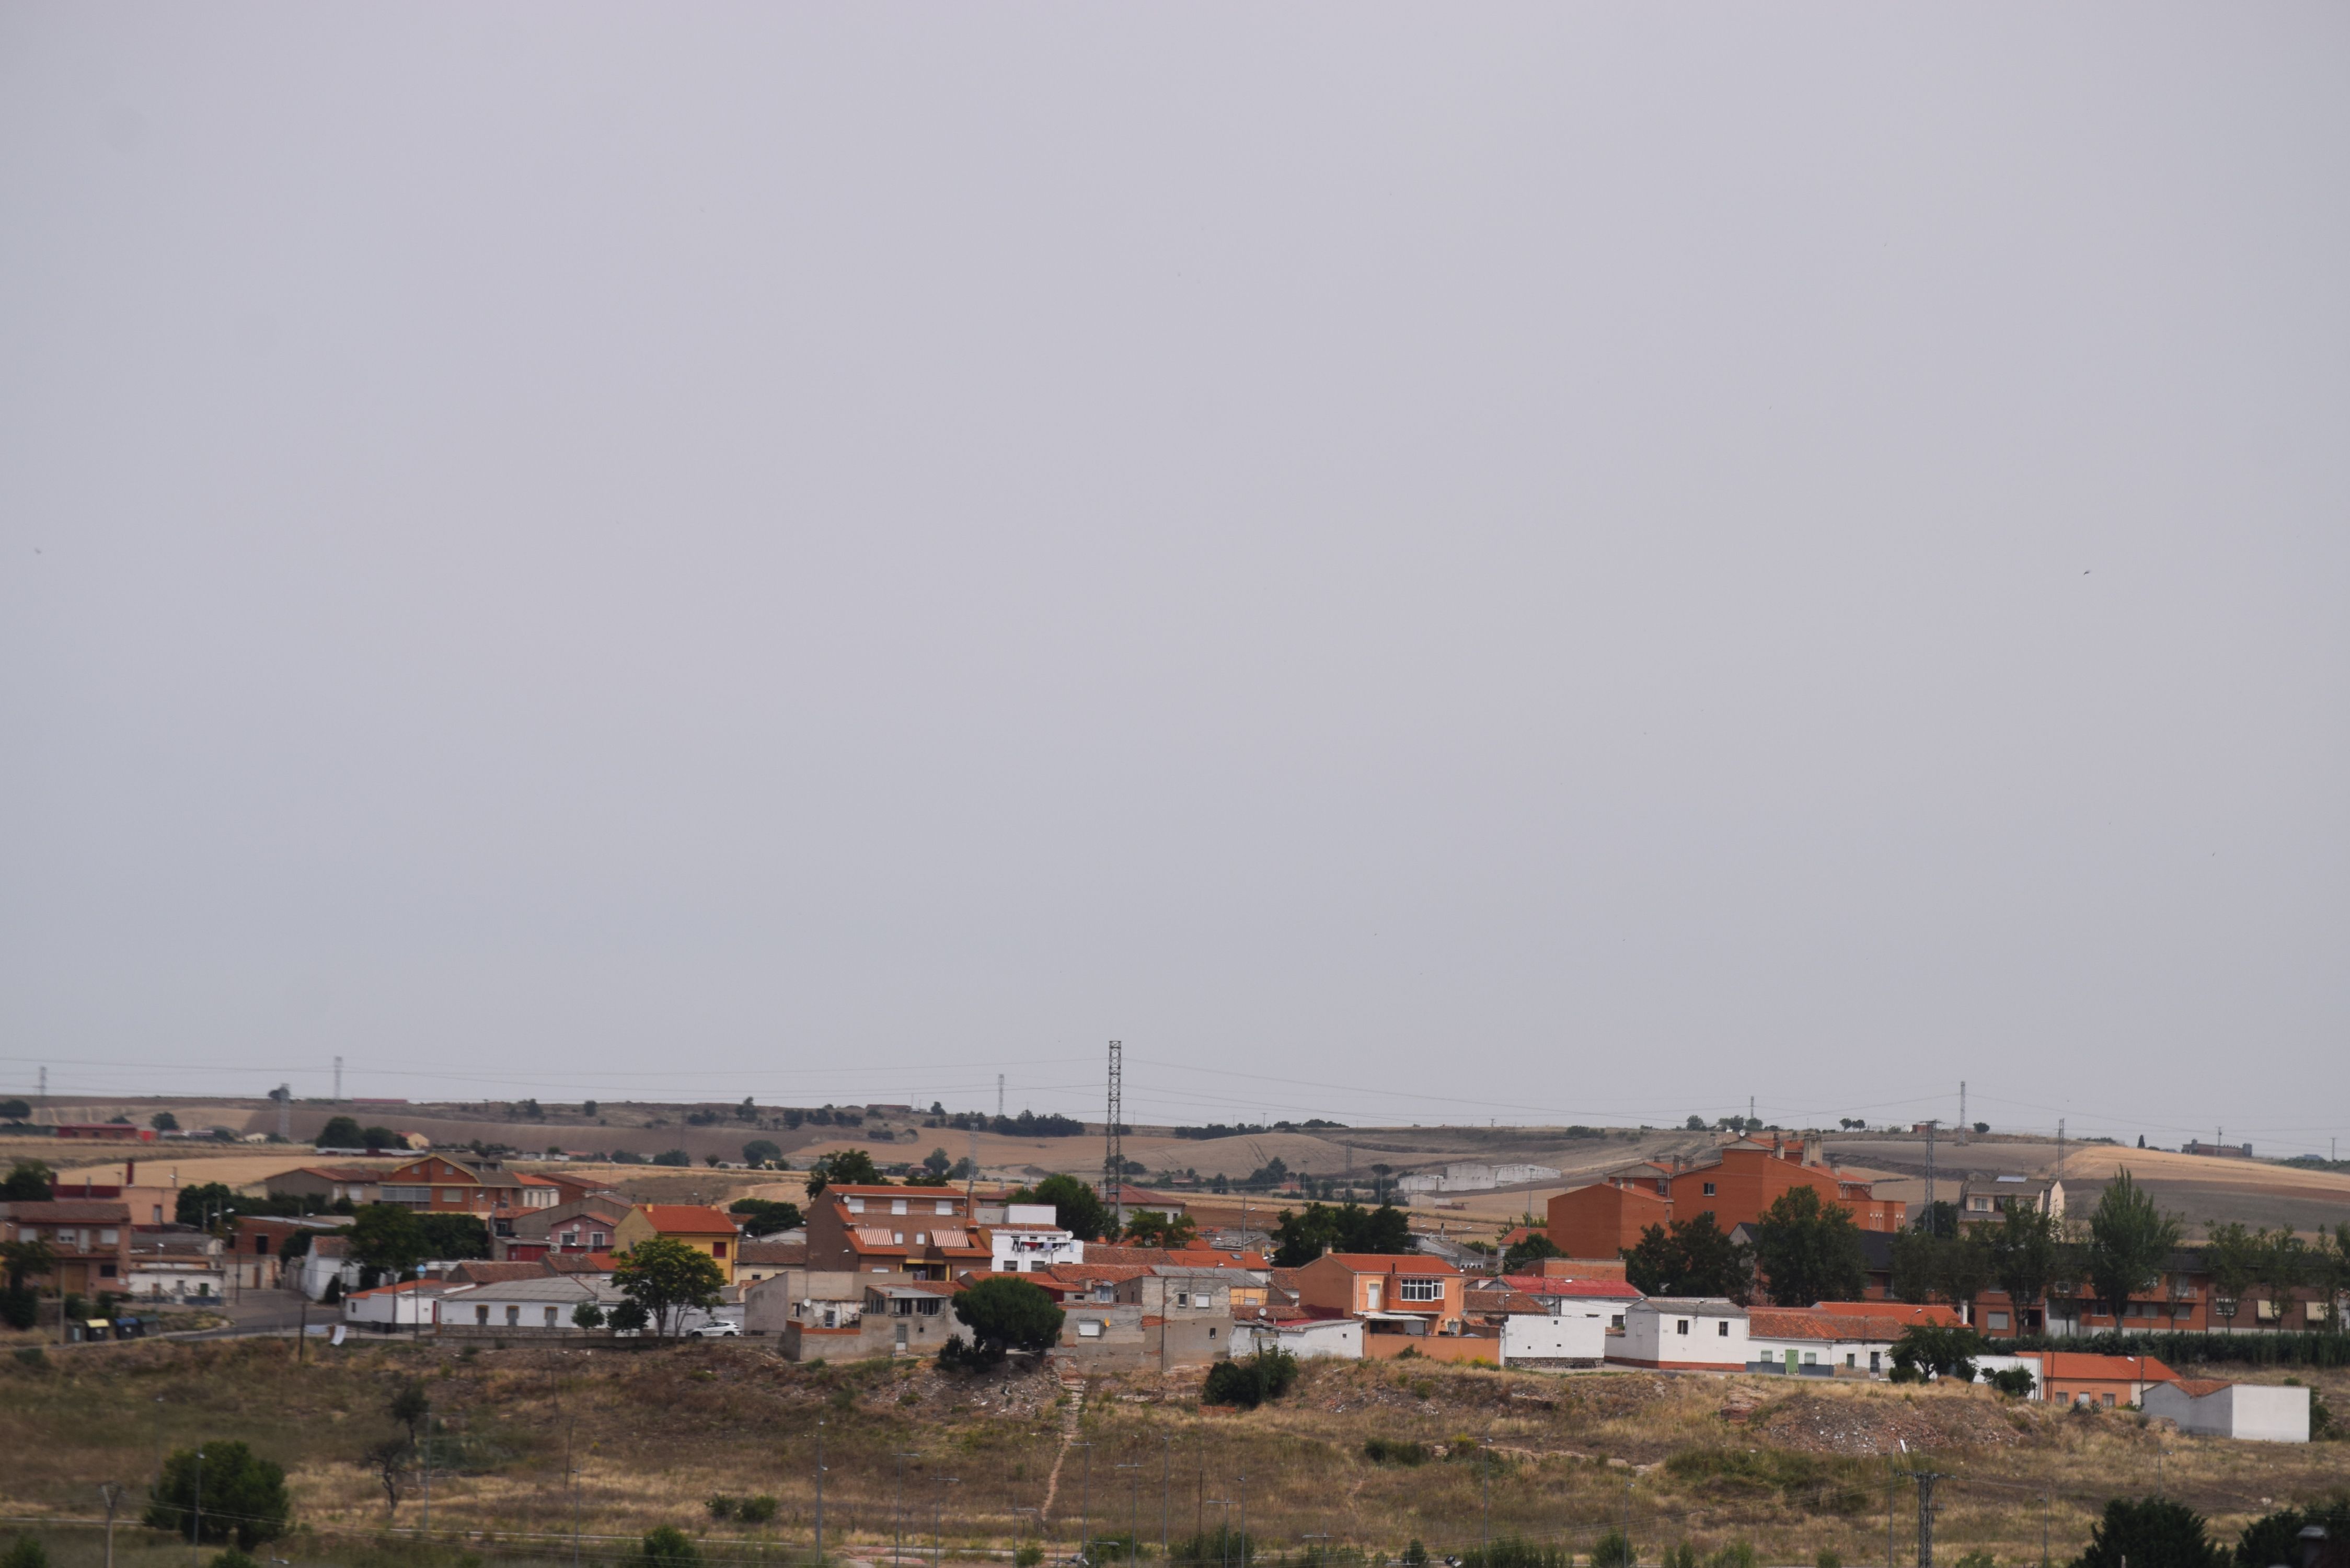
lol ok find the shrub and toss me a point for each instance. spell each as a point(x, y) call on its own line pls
point(1682, 1556)
point(232, 1558)
point(1395, 1451)
point(721, 1506)
point(587, 1314)
point(1734, 1554)
point(2015, 1380)
point(2153, 1533)
point(1829, 1557)
point(19, 1306)
point(31, 1355)
point(757, 1510)
point(2276, 1537)
point(1220, 1546)
point(1612, 1549)
point(27, 1551)
point(1028, 1555)
point(1250, 1381)
point(1978, 1560)
point(667, 1546)
point(1414, 1554)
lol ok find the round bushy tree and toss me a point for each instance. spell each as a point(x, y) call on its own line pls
point(2152, 1533)
point(228, 1495)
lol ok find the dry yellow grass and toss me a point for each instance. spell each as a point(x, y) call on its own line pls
point(654, 1433)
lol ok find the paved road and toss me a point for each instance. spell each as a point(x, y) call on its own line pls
point(263, 1313)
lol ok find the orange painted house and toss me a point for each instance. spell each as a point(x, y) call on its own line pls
point(1743, 1179)
point(701, 1228)
point(1391, 1285)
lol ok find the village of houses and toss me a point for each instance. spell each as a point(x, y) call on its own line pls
point(872, 1271)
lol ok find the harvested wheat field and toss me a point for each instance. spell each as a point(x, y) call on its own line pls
point(1367, 1456)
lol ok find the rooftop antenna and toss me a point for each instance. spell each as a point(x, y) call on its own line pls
point(1113, 1148)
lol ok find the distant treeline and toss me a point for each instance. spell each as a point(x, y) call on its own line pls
point(1218, 1129)
point(1027, 1124)
point(2176, 1348)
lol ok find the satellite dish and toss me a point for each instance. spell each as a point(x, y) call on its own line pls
point(338, 1335)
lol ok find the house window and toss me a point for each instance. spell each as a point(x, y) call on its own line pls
point(594, 1239)
point(945, 1206)
point(1811, 1359)
point(920, 1238)
point(1998, 1321)
point(1709, 1189)
point(1615, 1320)
point(1680, 1326)
point(1420, 1290)
point(106, 1270)
point(452, 1195)
point(857, 1206)
point(927, 1306)
point(1851, 1360)
point(717, 1249)
point(1182, 1298)
point(897, 1205)
point(897, 1238)
point(482, 1315)
point(1877, 1361)
point(1721, 1329)
point(514, 1317)
point(550, 1317)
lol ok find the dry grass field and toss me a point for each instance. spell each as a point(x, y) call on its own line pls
point(653, 1433)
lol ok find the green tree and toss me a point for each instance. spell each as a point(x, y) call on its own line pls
point(2276, 1538)
point(1299, 1239)
point(1964, 1266)
point(765, 1215)
point(2023, 1256)
point(2129, 1240)
point(25, 1551)
point(199, 1202)
point(672, 1157)
point(26, 1259)
point(164, 1121)
point(2282, 1265)
point(1807, 1251)
point(1692, 1257)
point(386, 1236)
point(630, 1317)
point(227, 1495)
point(2152, 1533)
point(28, 1181)
point(1005, 1312)
point(451, 1236)
point(1947, 1352)
point(1526, 1250)
point(1080, 1208)
point(340, 1132)
point(665, 1276)
point(667, 1546)
point(409, 1406)
point(762, 1151)
point(1149, 1227)
point(844, 1167)
point(587, 1314)
point(937, 1162)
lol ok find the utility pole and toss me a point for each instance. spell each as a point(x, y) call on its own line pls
point(998, 1094)
point(1133, 1511)
point(1166, 1490)
point(1926, 1480)
point(1485, 1499)
point(937, 1503)
point(571, 1474)
point(112, 1492)
point(1888, 1510)
point(820, 1494)
point(1085, 1509)
point(1631, 1557)
point(1114, 1145)
point(428, 1464)
point(1931, 1219)
point(196, 1515)
point(339, 1080)
point(1965, 1126)
point(898, 1510)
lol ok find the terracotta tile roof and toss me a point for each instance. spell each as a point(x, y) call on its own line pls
point(69, 1212)
point(1393, 1263)
point(1105, 1252)
point(1095, 1274)
point(687, 1219)
point(773, 1254)
point(1904, 1312)
point(1804, 1322)
point(2201, 1387)
point(1545, 1285)
point(2059, 1365)
point(478, 1273)
point(578, 1262)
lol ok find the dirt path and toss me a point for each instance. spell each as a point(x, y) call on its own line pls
point(1069, 1422)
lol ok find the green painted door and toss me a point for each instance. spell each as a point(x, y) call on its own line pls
point(1791, 1364)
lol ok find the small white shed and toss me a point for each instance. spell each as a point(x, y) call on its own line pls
point(2258, 1412)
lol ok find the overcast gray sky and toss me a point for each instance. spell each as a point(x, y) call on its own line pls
point(1571, 561)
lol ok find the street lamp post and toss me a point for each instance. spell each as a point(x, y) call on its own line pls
point(196, 1514)
point(1165, 1488)
point(1224, 1533)
point(937, 1504)
point(1085, 1509)
point(1133, 1511)
point(820, 1494)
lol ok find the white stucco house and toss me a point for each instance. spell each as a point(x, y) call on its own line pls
point(1031, 1239)
point(1689, 1334)
point(1339, 1339)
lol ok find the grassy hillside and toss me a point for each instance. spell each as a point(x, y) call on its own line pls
point(656, 1432)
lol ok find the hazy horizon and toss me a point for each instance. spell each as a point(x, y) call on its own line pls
point(1569, 565)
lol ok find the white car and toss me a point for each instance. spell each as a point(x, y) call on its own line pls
point(716, 1328)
